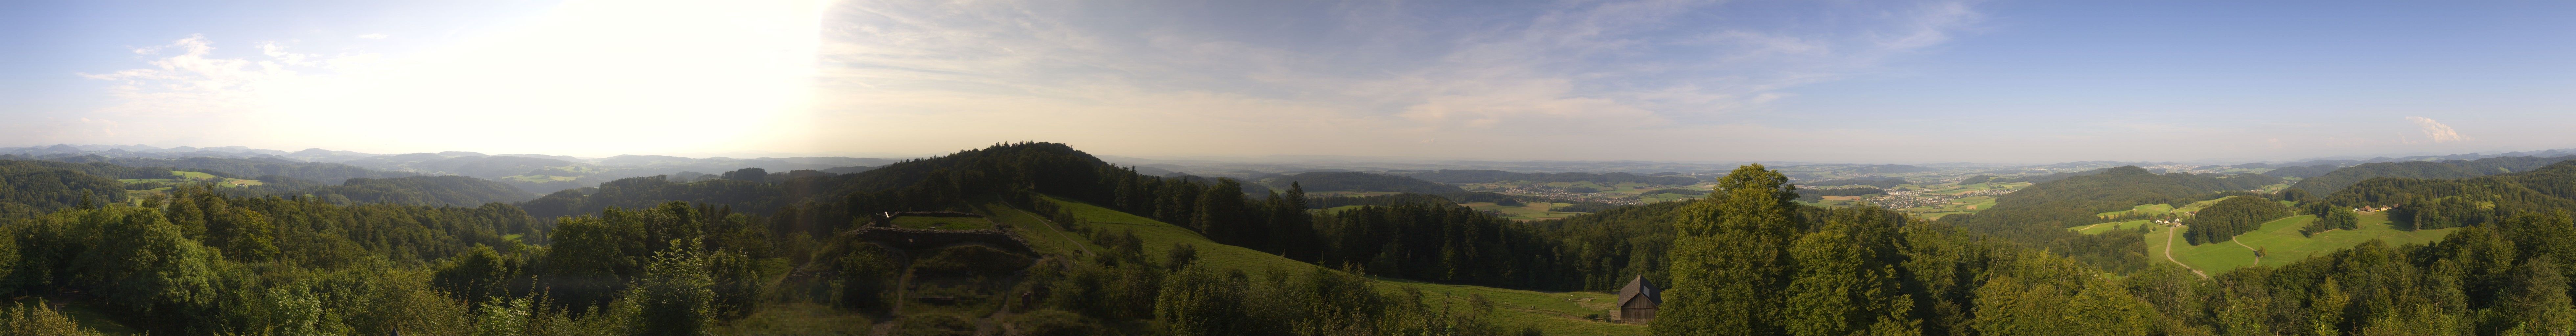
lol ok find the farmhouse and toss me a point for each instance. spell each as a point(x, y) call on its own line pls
point(1637, 301)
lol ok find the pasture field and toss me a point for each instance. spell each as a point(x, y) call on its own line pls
point(1525, 212)
point(2099, 228)
point(2150, 209)
point(942, 223)
point(2281, 242)
point(1553, 313)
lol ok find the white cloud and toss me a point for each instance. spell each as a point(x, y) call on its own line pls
point(376, 36)
point(2436, 131)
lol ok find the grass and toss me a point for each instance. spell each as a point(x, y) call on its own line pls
point(798, 319)
point(2283, 243)
point(2107, 227)
point(2150, 209)
point(1554, 313)
point(942, 223)
point(1525, 212)
point(192, 175)
point(1042, 237)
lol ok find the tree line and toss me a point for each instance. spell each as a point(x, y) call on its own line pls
point(2230, 217)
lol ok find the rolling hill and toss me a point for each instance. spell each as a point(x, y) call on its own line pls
point(2332, 182)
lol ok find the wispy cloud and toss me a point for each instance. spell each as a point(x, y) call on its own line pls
point(1516, 76)
point(2436, 131)
point(376, 36)
point(729, 77)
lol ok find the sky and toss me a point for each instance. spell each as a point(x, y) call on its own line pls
point(1689, 81)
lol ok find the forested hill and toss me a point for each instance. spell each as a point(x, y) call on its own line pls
point(29, 188)
point(2039, 214)
point(1490, 176)
point(1353, 181)
point(2335, 181)
point(314, 171)
point(825, 203)
point(2050, 177)
point(421, 190)
point(2420, 203)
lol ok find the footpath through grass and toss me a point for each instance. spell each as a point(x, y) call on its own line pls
point(2282, 244)
point(1553, 313)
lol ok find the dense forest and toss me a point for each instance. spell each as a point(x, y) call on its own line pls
point(314, 171)
point(2417, 203)
point(418, 190)
point(2332, 182)
point(2230, 217)
point(30, 188)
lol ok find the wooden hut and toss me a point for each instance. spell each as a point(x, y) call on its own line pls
point(1637, 301)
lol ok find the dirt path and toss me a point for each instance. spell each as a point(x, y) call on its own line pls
point(2258, 254)
point(2169, 239)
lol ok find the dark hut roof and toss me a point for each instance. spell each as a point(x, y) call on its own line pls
point(1640, 289)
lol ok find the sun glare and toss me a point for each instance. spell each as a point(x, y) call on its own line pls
point(703, 75)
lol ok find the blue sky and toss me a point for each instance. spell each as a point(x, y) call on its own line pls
point(1838, 81)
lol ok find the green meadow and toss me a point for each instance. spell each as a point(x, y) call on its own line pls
point(2281, 243)
point(1525, 212)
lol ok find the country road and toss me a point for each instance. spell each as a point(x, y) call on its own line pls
point(2169, 239)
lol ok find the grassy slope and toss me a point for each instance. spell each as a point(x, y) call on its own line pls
point(2281, 237)
point(1528, 211)
point(1555, 313)
point(944, 223)
point(2107, 227)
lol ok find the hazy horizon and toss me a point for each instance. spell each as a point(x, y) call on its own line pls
point(1357, 159)
point(1676, 81)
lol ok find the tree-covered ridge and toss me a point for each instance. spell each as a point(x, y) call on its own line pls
point(2442, 203)
point(2230, 217)
point(30, 188)
point(642, 192)
point(1490, 176)
point(421, 190)
point(2302, 171)
point(314, 171)
point(2339, 179)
